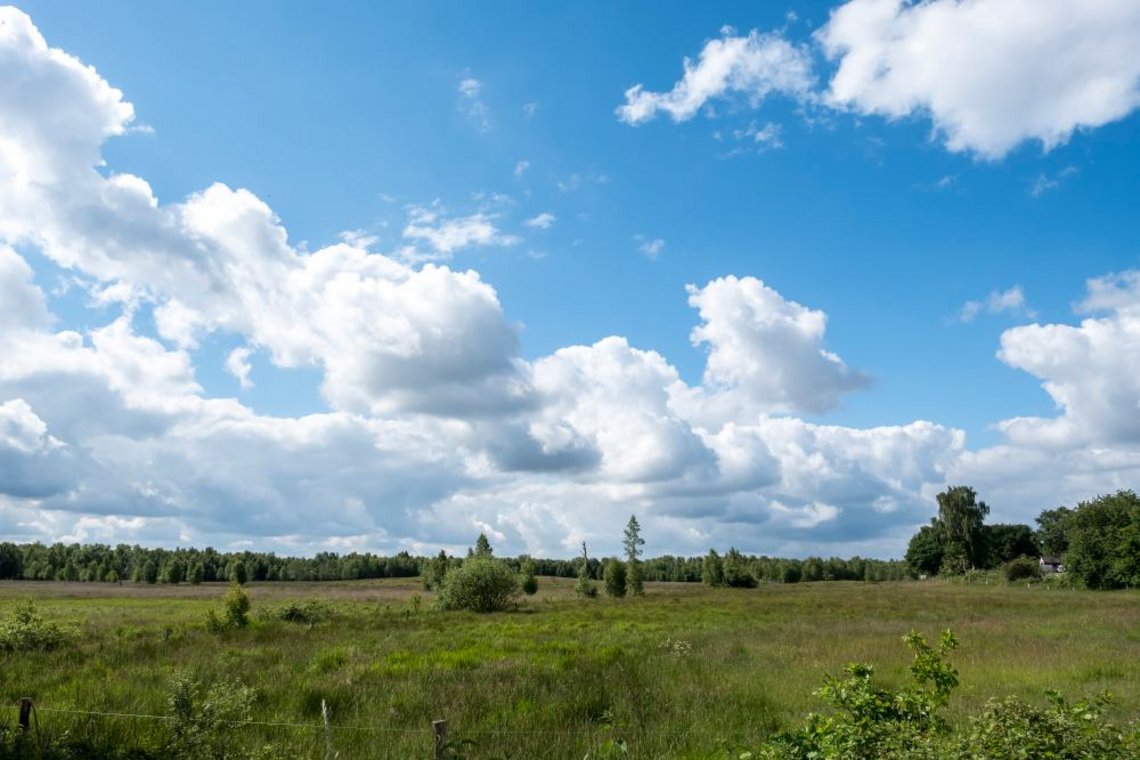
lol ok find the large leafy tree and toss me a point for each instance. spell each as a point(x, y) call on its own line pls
point(1008, 542)
point(712, 570)
point(1053, 531)
point(961, 517)
point(924, 554)
point(1104, 541)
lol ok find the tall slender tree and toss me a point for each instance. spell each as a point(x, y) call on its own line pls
point(633, 543)
point(585, 585)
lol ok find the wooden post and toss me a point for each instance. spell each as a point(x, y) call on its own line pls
point(25, 713)
point(439, 738)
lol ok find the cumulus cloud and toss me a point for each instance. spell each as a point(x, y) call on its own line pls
point(21, 302)
point(752, 66)
point(436, 425)
point(237, 364)
point(765, 353)
point(1010, 301)
point(1087, 369)
point(989, 75)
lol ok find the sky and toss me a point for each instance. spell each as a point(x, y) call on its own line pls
point(385, 276)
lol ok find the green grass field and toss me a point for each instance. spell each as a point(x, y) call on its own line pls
point(682, 673)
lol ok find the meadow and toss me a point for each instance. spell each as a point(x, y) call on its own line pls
point(684, 672)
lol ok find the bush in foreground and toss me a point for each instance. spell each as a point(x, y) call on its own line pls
point(481, 584)
point(875, 723)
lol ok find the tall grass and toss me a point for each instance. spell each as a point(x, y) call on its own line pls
point(683, 672)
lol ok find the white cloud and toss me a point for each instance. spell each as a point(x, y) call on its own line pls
point(446, 236)
point(21, 302)
point(471, 103)
point(21, 430)
point(765, 353)
point(1044, 182)
point(237, 364)
point(989, 74)
point(1089, 370)
point(1010, 301)
point(543, 221)
point(652, 248)
point(767, 137)
point(521, 168)
point(437, 425)
point(753, 66)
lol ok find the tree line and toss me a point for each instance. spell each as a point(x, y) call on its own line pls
point(1097, 541)
point(133, 563)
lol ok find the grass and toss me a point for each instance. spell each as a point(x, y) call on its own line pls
point(683, 672)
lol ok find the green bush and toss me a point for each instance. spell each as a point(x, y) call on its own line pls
point(308, 611)
point(874, 723)
point(481, 584)
point(1015, 729)
point(235, 611)
point(529, 581)
point(26, 631)
point(614, 577)
point(1021, 569)
point(203, 719)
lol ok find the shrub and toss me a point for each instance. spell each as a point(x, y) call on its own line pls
point(529, 581)
point(614, 577)
point(203, 719)
point(481, 584)
point(235, 611)
point(584, 586)
point(308, 611)
point(1020, 569)
point(874, 722)
point(26, 631)
point(1013, 728)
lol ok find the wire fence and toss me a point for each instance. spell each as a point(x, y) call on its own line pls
point(41, 728)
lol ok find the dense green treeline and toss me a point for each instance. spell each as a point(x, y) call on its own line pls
point(102, 563)
point(1097, 542)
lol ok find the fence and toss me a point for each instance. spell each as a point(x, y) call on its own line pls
point(36, 725)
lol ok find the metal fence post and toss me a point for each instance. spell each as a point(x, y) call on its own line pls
point(25, 713)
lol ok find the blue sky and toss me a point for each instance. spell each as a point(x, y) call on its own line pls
point(909, 186)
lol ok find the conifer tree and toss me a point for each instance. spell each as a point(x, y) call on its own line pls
point(633, 543)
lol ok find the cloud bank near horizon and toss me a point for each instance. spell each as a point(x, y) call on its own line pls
point(434, 427)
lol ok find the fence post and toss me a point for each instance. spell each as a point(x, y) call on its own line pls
point(439, 738)
point(25, 713)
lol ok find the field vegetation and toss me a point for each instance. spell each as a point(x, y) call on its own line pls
point(685, 671)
